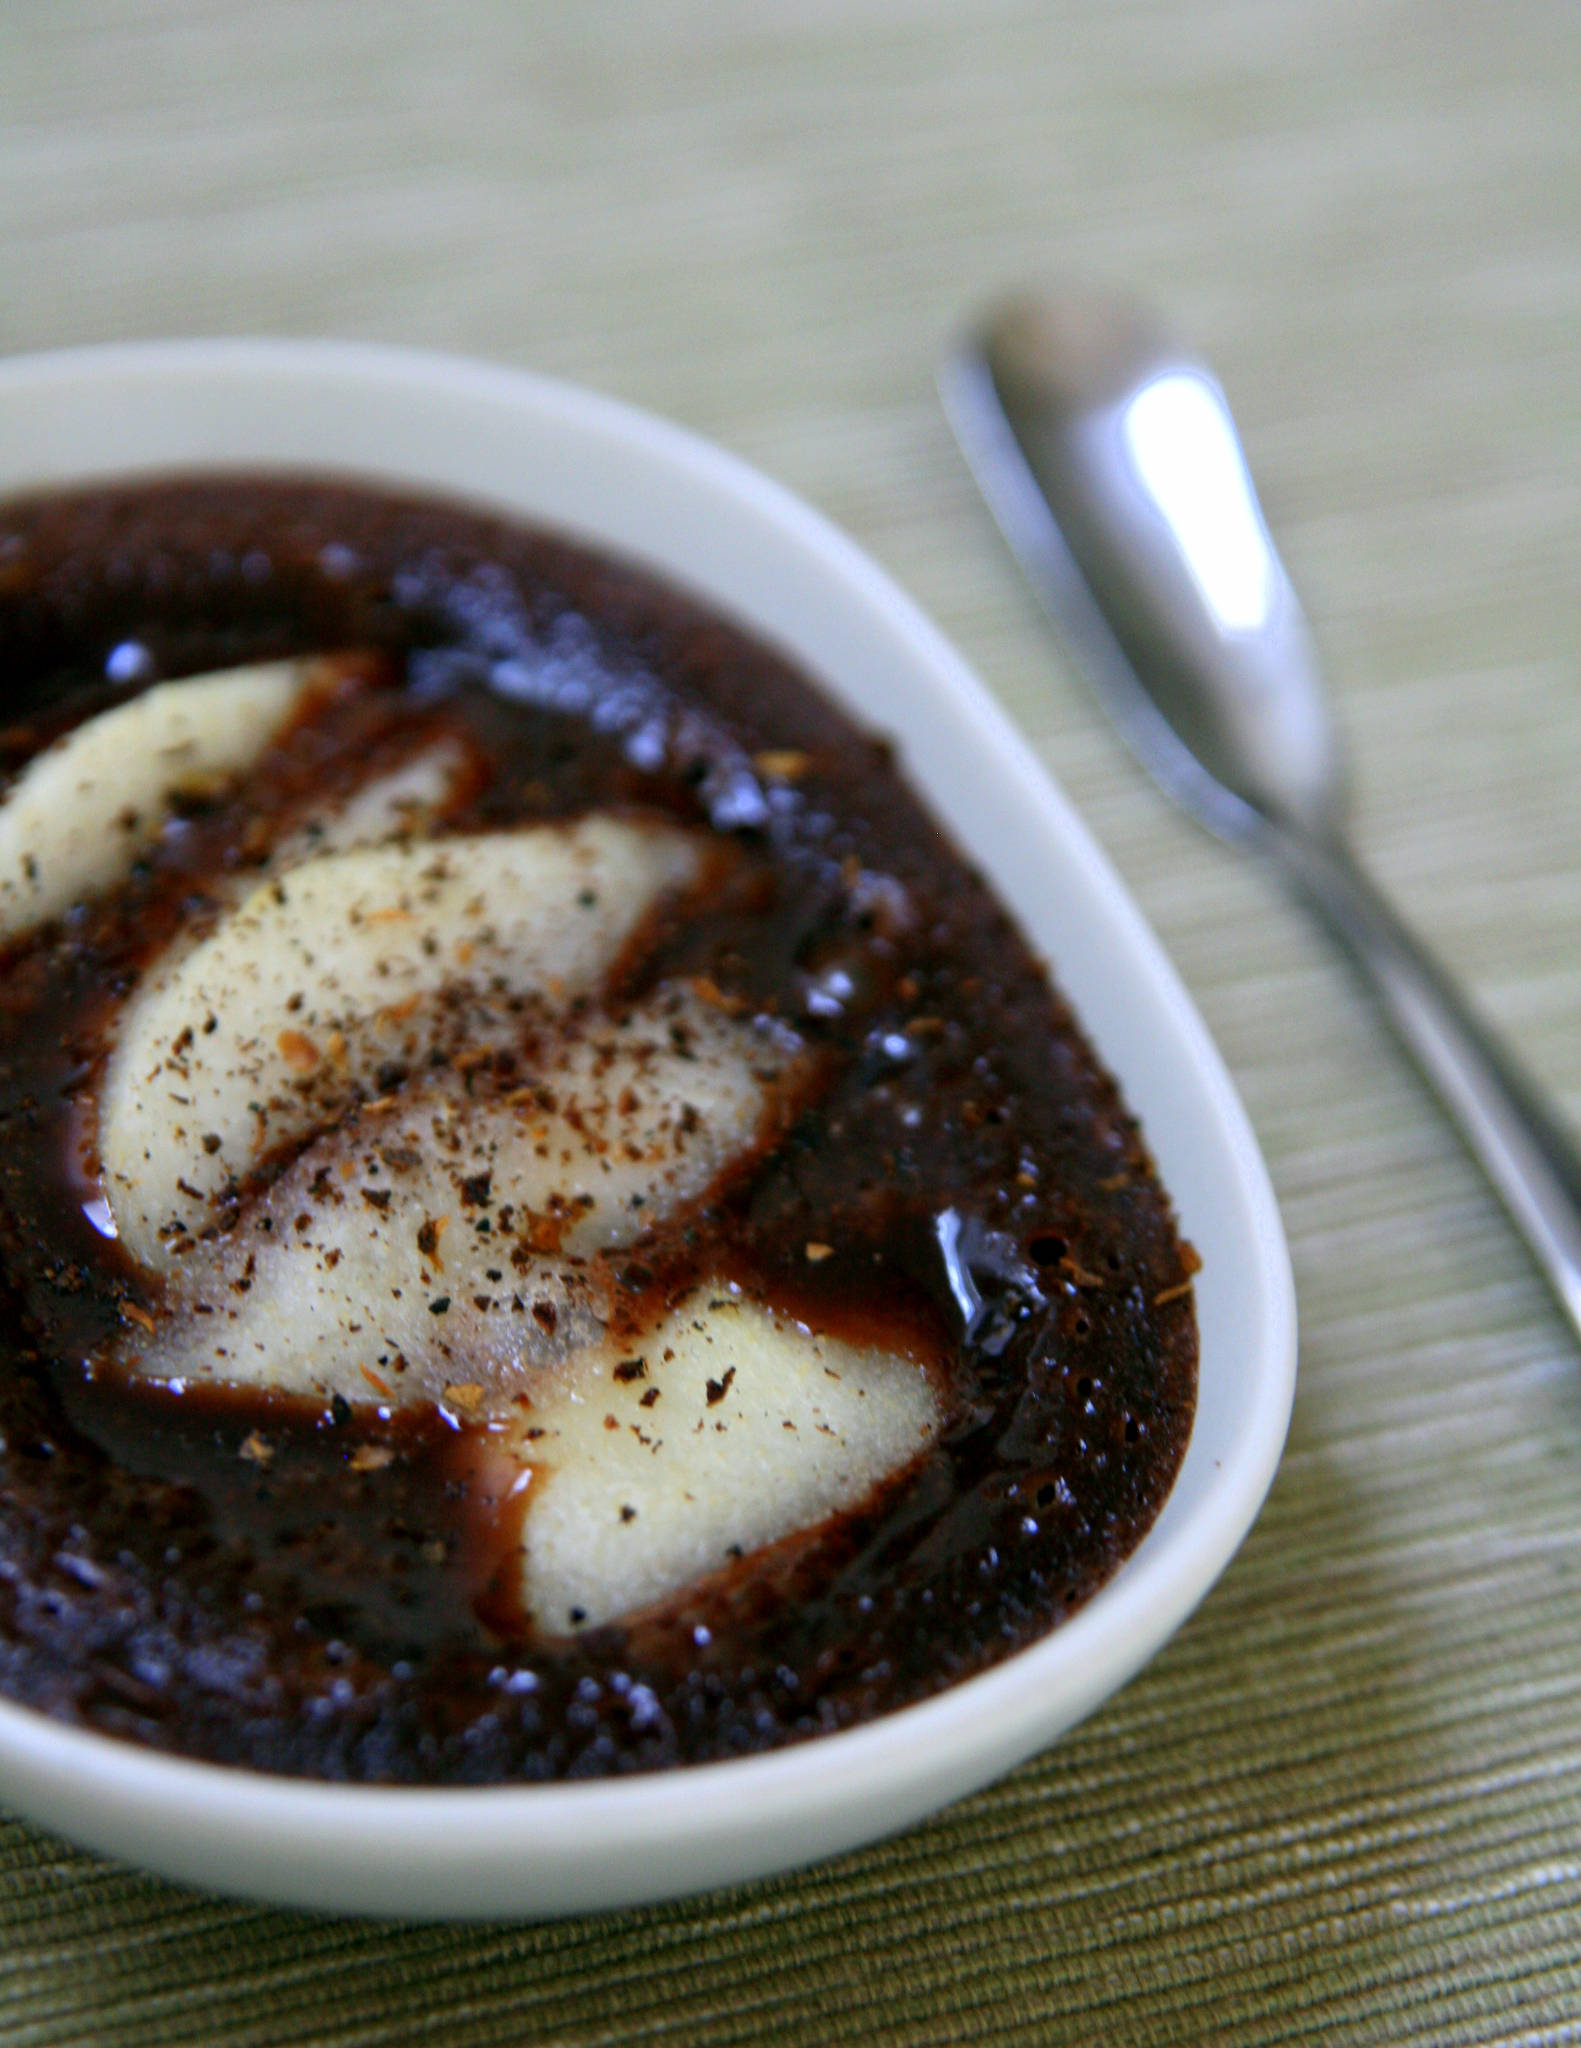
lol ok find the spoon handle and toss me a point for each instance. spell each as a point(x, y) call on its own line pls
point(1530, 1158)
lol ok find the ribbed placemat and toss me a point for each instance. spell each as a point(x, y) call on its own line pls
point(1345, 1804)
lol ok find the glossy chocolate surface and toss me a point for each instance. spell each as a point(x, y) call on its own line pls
point(976, 1194)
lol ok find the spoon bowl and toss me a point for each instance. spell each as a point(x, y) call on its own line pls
point(1138, 482)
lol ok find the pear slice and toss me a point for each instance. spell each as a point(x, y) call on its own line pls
point(340, 969)
point(401, 804)
point(442, 1248)
point(729, 1428)
point(404, 803)
point(81, 812)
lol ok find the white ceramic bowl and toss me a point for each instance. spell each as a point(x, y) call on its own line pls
point(648, 491)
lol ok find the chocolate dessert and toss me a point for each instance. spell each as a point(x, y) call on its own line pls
point(551, 1224)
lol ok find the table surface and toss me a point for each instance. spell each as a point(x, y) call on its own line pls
point(1345, 1802)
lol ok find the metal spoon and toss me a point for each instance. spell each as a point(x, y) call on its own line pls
point(1109, 457)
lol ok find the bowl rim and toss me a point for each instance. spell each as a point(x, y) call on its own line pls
point(567, 1847)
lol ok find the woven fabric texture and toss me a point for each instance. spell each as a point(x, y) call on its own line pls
point(1345, 1803)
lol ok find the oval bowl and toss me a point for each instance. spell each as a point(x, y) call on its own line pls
point(646, 490)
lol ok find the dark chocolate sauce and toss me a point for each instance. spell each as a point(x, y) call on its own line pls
point(326, 1592)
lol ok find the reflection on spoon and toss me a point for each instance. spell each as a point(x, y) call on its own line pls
point(1180, 440)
